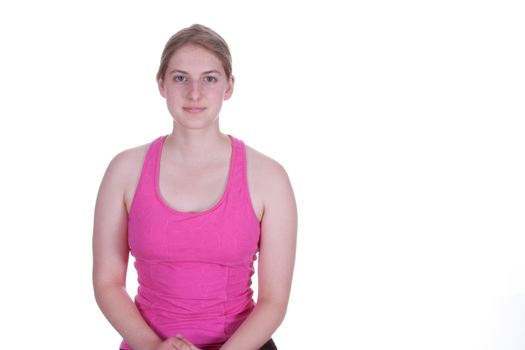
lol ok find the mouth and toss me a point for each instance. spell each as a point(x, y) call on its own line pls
point(194, 110)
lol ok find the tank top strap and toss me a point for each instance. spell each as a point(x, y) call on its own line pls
point(236, 166)
point(144, 190)
point(239, 193)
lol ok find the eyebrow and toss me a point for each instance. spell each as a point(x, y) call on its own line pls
point(184, 72)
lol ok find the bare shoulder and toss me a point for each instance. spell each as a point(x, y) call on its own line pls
point(126, 167)
point(268, 180)
point(266, 166)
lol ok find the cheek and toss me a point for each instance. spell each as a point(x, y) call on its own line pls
point(173, 92)
point(217, 92)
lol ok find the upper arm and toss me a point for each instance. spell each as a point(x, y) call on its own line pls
point(110, 246)
point(278, 236)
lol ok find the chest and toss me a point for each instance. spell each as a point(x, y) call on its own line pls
point(227, 239)
point(192, 190)
point(197, 189)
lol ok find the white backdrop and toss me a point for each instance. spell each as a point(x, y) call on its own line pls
point(400, 123)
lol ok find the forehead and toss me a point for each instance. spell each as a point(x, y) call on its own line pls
point(194, 58)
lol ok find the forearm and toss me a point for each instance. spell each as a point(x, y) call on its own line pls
point(121, 312)
point(258, 327)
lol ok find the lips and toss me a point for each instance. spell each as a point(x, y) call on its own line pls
point(194, 109)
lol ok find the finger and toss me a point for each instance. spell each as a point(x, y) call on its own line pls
point(189, 343)
point(181, 343)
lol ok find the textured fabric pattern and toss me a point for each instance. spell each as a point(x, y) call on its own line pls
point(194, 268)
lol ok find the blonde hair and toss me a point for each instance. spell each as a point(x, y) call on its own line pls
point(199, 35)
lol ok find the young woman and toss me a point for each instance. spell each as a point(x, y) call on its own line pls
point(194, 207)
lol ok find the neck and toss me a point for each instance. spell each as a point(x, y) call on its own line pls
point(196, 147)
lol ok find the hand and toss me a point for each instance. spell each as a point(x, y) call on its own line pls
point(178, 343)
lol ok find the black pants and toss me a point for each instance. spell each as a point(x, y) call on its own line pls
point(269, 345)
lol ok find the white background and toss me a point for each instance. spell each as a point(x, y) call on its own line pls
point(400, 124)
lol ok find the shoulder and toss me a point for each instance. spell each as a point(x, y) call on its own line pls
point(128, 159)
point(264, 165)
point(123, 171)
point(270, 177)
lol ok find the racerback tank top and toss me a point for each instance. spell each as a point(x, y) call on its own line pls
point(194, 268)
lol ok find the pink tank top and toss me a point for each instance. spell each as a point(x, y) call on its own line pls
point(194, 268)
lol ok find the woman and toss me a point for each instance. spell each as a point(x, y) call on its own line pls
point(194, 207)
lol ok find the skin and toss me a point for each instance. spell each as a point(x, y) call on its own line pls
point(194, 168)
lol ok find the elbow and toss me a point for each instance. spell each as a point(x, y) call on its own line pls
point(99, 292)
point(104, 291)
point(276, 307)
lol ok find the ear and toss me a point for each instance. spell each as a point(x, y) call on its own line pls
point(229, 91)
point(160, 84)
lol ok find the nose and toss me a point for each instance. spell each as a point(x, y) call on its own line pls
point(194, 90)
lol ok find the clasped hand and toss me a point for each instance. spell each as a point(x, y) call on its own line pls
point(178, 342)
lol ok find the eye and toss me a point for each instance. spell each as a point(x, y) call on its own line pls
point(179, 78)
point(210, 79)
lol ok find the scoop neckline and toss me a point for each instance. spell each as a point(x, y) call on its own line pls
point(192, 213)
